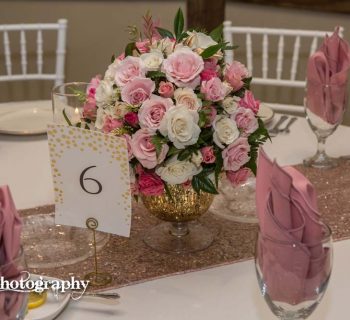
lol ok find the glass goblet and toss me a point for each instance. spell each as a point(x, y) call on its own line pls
point(14, 303)
point(291, 282)
point(324, 107)
point(68, 101)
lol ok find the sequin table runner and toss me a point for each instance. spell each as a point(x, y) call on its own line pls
point(130, 261)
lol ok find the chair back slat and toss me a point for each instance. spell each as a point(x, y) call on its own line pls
point(7, 49)
point(58, 75)
point(295, 59)
point(279, 68)
point(23, 44)
point(313, 46)
point(265, 54)
point(39, 51)
point(249, 53)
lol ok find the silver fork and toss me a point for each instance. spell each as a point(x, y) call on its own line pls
point(286, 129)
point(275, 130)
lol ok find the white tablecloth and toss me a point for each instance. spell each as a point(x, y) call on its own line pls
point(229, 292)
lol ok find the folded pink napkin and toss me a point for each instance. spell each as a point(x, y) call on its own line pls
point(10, 230)
point(292, 259)
point(327, 76)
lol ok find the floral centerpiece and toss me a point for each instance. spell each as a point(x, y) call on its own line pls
point(187, 116)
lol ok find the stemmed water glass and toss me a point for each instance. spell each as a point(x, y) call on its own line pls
point(324, 108)
point(291, 283)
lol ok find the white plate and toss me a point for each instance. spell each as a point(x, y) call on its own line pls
point(51, 308)
point(265, 113)
point(25, 117)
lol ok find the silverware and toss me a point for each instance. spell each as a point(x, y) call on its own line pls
point(275, 130)
point(103, 295)
point(286, 129)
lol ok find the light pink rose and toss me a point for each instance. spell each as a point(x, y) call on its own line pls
point(238, 177)
point(214, 89)
point(245, 120)
point(150, 184)
point(166, 89)
point(236, 154)
point(211, 115)
point(111, 124)
point(145, 151)
point(90, 109)
point(249, 102)
point(208, 154)
point(128, 144)
point(234, 74)
point(127, 70)
point(91, 89)
point(183, 68)
point(152, 111)
point(137, 90)
point(132, 119)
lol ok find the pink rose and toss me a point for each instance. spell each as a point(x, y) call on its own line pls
point(214, 89)
point(137, 90)
point(153, 110)
point(245, 120)
point(127, 70)
point(183, 67)
point(187, 184)
point(90, 109)
point(121, 56)
point(110, 124)
point(145, 151)
point(150, 184)
point(234, 74)
point(132, 119)
point(208, 154)
point(143, 46)
point(166, 89)
point(211, 64)
point(236, 154)
point(249, 102)
point(208, 74)
point(91, 89)
point(211, 115)
point(238, 177)
point(128, 144)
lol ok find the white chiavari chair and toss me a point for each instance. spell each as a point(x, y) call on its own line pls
point(275, 77)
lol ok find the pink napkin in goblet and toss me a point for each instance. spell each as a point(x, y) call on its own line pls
point(10, 231)
point(291, 258)
point(327, 76)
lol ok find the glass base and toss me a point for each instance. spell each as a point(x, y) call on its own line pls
point(321, 161)
point(98, 279)
point(181, 237)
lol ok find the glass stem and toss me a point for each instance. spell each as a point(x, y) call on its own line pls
point(179, 229)
point(321, 148)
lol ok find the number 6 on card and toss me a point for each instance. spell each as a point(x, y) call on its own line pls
point(91, 178)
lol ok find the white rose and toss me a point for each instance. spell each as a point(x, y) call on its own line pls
point(164, 45)
point(197, 158)
point(199, 40)
point(187, 97)
point(152, 60)
point(230, 104)
point(111, 70)
point(120, 109)
point(104, 93)
point(177, 172)
point(181, 126)
point(225, 131)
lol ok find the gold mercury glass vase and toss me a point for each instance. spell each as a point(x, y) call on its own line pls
point(180, 233)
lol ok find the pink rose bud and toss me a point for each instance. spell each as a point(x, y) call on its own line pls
point(234, 75)
point(150, 184)
point(91, 89)
point(90, 109)
point(208, 74)
point(166, 89)
point(132, 119)
point(111, 124)
point(249, 102)
point(238, 177)
point(208, 154)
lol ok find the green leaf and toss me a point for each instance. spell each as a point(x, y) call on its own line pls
point(182, 36)
point(158, 142)
point(167, 191)
point(219, 162)
point(203, 118)
point(112, 58)
point(204, 183)
point(210, 51)
point(185, 154)
point(172, 151)
point(130, 47)
point(66, 118)
point(155, 74)
point(165, 33)
point(78, 125)
point(206, 136)
point(230, 47)
point(179, 23)
point(216, 34)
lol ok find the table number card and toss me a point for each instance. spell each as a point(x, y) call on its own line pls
point(91, 178)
